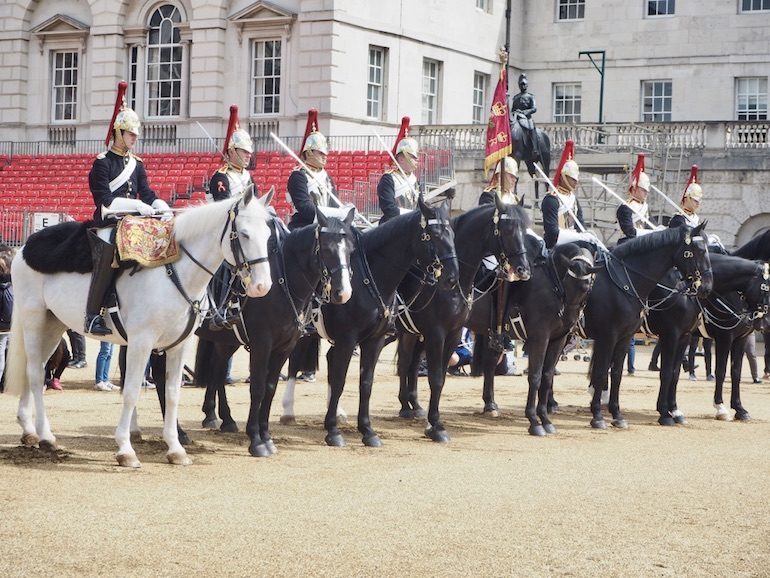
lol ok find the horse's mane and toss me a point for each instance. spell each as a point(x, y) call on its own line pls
point(518, 213)
point(376, 237)
point(642, 244)
point(756, 248)
point(197, 220)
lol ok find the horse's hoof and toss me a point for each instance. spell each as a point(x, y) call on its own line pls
point(552, 409)
point(419, 412)
point(437, 435)
point(288, 420)
point(335, 440)
point(742, 415)
point(49, 445)
point(536, 430)
point(29, 439)
point(598, 423)
point(259, 450)
point(184, 439)
point(491, 410)
point(372, 441)
point(722, 413)
point(210, 423)
point(128, 461)
point(666, 420)
point(679, 418)
point(549, 428)
point(178, 459)
point(135, 436)
point(229, 427)
point(271, 446)
point(407, 413)
point(620, 423)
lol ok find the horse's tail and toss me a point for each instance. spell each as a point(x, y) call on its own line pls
point(204, 374)
point(480, 347)
point(16, 380)
point(304, 357)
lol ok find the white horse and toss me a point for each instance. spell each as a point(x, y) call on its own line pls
point(156, 313)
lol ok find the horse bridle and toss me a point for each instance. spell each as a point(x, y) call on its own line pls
point(502, 257)
point(434, 269)
point(242, 263)
point(693, 274)
point(326, 274)
point(748, 317)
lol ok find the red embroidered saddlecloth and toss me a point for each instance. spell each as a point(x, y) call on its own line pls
point(149, 242)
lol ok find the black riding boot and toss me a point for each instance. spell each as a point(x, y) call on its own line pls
point(102, 254)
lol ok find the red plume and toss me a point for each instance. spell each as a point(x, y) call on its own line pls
point(693, 179)
point(402, 133)
point(232, 126)
point(119, 103)
point(312, 126)
point(568, 154)
point(638, 169)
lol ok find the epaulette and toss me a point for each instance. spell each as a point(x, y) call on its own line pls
point(222, 169)
point(138, 159)
point(102, 155)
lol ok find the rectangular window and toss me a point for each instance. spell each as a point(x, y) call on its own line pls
point(164, 80)
point(656, 101)
point(567, 101)
point(133, 75)
point(266, 77)
point(480, 104)
point(65, 85)
point(572, 9)
point(660, 7)
point(751, 98)
point(483, 5)
point(755, 5)
point(375, 87)
point(430, 85)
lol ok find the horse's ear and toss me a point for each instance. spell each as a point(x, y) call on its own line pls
point(499, 205)
point(267, 198)
point(351, 215)
point(322, 219)
point(521, 200)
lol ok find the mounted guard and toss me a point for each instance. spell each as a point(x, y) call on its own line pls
point(634, 214)
point(690, 203)
point(398, 188)
point(118, 183)
point(309, 184)
point(233, 178)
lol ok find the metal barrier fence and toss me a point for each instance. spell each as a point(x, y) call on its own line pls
point(18, 224)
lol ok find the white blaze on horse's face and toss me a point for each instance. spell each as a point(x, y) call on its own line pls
point(346, 289)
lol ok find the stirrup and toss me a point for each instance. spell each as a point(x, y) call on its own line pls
point(95, 325)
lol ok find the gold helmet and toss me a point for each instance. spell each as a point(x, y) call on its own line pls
point(639, 178)
point(693, 189)
point(509, 165)
point(314, 140)
point(404, 143)
point(123, 118)
point(236, 137)
point(567, 165)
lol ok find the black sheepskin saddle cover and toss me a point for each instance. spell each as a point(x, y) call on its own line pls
point(61, 248)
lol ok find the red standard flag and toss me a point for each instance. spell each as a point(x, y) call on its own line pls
point(499, 128)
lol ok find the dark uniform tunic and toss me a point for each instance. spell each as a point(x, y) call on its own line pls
point(229, 181)
point(680, 219)
point(306, 194)
point(556, 216)
point(395, 193)
point(106, 168)
point(630, 219)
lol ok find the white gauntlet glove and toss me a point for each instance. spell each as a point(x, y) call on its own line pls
point(162, 207)
point(129, 206)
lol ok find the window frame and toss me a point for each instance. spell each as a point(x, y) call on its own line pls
point(664, 98)
point(375, 85)
point(480, 107)
point(53, 86)
point(742, 9)
point(431, 94)
point(153, 104)
point(758, 113)
point(670, 8)
point(575, 101)
point(254, 78)
point(567, 6)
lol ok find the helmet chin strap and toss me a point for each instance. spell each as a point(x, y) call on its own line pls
point(313, 161)
point(235, 159)
point(119, 144)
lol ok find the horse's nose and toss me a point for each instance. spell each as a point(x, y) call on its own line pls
point(523, 273)
point(449, 282)
point(341, 296)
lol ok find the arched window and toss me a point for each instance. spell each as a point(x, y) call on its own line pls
point(164, 63)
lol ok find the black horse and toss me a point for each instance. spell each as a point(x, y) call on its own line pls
point(612, 314)
point(674, 315)
point(314, 259)
point(383, 258)
point(431, 320)
point(542, 312)
point(523, 151)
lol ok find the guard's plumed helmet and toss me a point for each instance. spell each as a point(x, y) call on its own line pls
point(567, 165)
point(509, 165)
point(314, 140)
point(693, 189)
point(123, 118)
point(237, 138)
point(404, 143)
point(639, 178)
